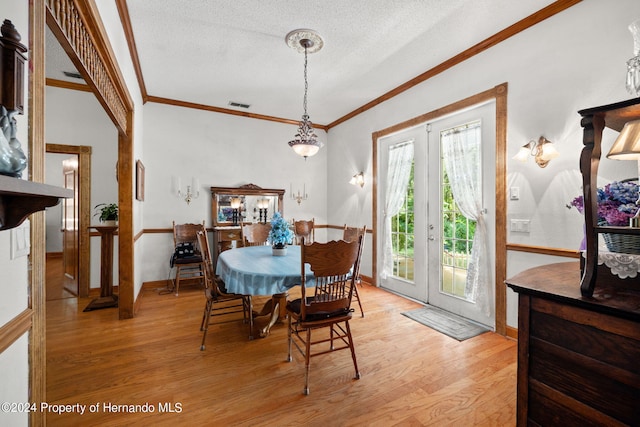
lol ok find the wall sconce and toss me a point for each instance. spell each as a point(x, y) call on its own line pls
point(357, 179)
point(543, 151)
point(263, 206)
point(236, 202)
point(192, 192)
point(299, 197)
point(627, 147)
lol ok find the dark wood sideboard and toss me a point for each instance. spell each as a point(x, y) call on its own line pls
point(578, 356)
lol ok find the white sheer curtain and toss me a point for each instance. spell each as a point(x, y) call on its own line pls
point(398, 173)
point(462, 153)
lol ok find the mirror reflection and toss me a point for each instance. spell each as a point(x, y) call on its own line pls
point(254, 208)
point(232, 206)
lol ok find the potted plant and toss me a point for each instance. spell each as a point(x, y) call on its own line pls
point(107, 213)
point(280, 234)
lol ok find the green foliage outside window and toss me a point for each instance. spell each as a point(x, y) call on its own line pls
point(402, 224)
point(458, 231)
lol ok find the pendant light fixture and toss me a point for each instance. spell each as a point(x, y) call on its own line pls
point(305, 143)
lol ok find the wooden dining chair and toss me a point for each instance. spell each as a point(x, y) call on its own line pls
point(255, 234)
point(220, 303)
point(188, 265)
point(329, 306)
point(304, 229)
point(351, 234)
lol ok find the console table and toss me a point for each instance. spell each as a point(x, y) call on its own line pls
point(107, 298)
point(578, 356)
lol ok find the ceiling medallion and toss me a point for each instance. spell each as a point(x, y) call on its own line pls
point(305, 143)
point(295, 37)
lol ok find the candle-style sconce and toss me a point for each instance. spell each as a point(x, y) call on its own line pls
point(192, 192)
point(299, 197)
point(12, 158)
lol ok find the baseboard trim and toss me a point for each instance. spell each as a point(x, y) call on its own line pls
point(153, 285)
point(512, 333)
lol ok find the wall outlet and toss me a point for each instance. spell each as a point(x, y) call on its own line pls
point(520, 225)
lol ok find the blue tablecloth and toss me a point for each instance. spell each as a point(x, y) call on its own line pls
point(253, 270)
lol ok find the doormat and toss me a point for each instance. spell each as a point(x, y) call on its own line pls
point(445, 322)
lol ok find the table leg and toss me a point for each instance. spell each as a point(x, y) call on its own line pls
point(274, 310)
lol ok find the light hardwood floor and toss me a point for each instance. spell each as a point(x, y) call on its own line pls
point(55, 278)
point(411, 374)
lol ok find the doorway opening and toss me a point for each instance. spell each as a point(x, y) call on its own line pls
point(67, 225)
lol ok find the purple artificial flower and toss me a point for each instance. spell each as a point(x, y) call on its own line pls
point(616, 203)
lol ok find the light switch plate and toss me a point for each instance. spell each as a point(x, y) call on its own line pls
point(514, 193)
point(21, 240)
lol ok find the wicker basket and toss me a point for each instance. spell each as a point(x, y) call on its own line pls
point(622, 243)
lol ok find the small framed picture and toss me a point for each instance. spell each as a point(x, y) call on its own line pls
point(139, 181)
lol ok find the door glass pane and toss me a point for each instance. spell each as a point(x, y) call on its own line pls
point(402, 236)
point(457, 232)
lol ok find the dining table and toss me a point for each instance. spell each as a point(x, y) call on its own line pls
point(254, 270)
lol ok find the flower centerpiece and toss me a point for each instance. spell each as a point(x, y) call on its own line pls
point(616, 205)
point(280, 234)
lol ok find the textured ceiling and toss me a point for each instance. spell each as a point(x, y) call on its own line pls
point(213, 51)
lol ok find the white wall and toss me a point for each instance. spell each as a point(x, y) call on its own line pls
point(571, 61)
point(14, 285)
point(220, 151)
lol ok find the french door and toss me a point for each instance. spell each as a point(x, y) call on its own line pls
point(405, 273)
point(432, 239)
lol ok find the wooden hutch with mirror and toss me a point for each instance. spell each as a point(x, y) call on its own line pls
point(233, 206)
point(579, 322)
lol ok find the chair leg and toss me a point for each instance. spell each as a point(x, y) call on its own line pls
point(249, 314)
point(331, 334)
point(206, 325)
point(177, 281)
point(204, 315)
point(353, 350)
point(289, 338)
point(307, 357)
point(358, 298)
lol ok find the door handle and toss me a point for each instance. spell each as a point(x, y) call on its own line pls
point(432, 237)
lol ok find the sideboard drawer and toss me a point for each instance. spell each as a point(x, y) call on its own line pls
point(225, 238)
point(229, 235)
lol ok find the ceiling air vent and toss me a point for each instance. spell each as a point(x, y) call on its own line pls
point(238, 104)
point(73, 75)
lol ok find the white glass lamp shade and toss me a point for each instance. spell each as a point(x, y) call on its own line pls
point(235, 203)
point(543, 151)
point(523, 153)
point(548, 151)
point(627, 145)
point(305, 149)
point(357, 179)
